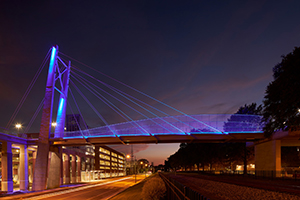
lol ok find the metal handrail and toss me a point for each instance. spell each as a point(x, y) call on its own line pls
point(170, 183)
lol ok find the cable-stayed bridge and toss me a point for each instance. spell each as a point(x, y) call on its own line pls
point(156, 126)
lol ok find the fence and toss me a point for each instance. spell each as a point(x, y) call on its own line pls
point(178, 191)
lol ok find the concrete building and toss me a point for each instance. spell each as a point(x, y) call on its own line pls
point(79, 164)
point(75, 122)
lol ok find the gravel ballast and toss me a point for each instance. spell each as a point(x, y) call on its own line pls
point(224, 191)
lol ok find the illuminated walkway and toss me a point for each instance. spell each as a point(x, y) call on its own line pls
point(182, 128)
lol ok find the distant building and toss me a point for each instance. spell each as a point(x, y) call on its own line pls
point(99, 162)
point(75, 123)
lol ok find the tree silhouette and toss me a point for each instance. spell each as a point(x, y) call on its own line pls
point(281, 102)
point(247, 118)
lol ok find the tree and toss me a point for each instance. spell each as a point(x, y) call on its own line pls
point(281, 102)
point(290, 157)
point(247, 118)
point(242, 122)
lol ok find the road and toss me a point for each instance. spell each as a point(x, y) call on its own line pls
point(100, 190)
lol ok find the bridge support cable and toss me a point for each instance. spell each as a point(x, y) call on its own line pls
point(34, 116)
point(139, 126)
point(85, 138)
point(110, 104)
point(99, 115)
point(138, 100)
point(140, 92)
point(28, 90)
point(77, 106)
point(133, 103)
point(103, 99)
point(127, 96)
point(113, 88)
point(88, 87)
point(135, 110)
point(148, 111)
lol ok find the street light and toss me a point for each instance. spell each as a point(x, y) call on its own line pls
point(130, 166)
point(18, 126)
point(53, 125)
point(146, 165)
point(128, 156)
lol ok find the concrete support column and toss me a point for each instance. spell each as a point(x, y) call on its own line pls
point(78, 168)
point(97, 158)
point(33, 164)
point(61, 181)
point(41, 166)
point(33, 160)
point(64, 168)
point(67, 168)
point(7, 168)
point(268, 158)
point(23, 167)
point(73, 169)
point(55, 167)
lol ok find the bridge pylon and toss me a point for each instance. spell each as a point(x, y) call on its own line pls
point(45, 152)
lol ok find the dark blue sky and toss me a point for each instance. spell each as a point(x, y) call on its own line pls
point(197, 56)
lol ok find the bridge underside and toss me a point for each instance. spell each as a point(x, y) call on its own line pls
point(197, 138)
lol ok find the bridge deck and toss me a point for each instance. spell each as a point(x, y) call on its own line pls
point(232, 137)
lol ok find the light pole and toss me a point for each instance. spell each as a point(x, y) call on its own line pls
point(128, 156)
point(135, 167)
point(18, 126)
point(130, 167)
point(146, 165)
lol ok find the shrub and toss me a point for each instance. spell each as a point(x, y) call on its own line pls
point(154, 189)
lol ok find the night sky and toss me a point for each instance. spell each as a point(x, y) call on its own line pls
point(200, 57)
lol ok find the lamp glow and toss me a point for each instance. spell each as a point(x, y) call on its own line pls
point(18, 126)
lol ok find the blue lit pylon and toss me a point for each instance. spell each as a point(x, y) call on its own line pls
point(55, 73)
point(61, 112)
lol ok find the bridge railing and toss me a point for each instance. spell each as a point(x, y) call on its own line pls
point(16, 134)
point(177, 125)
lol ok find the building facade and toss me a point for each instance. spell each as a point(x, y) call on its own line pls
point(79, 164)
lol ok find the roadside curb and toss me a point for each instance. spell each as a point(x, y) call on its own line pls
point(30, 194)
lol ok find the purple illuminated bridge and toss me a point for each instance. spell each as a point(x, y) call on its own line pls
point(153, 129)
point(182, 128)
